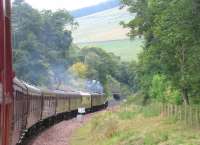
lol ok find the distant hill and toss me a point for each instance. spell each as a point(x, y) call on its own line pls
point(102, 29)
point(102, 26)
point(126, 49)
point(96, 8)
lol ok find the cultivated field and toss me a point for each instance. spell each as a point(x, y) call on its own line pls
point(102, 26)
point(103, 30)
point(126, 49)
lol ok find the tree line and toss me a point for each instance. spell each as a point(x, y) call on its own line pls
point(169, 66)
point(167, 69)
point(45, 55)
point(40, 41)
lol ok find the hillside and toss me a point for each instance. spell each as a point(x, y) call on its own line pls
point(96, 8)
point(127, 49)
point(102, 26)
point(103, 30)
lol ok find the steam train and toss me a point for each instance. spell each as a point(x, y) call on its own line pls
point(36, 108)
point(26, 109)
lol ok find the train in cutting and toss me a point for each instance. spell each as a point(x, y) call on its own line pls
point(35, 108)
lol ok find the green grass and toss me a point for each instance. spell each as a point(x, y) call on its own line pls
point(131, 125)
point(127, 49)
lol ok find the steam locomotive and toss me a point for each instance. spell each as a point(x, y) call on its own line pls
point(36, 108)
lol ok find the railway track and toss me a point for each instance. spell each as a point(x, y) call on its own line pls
point(60, 133)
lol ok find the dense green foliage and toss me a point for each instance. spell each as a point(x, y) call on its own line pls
point(114, 75)
point(44, 53)
point(171, 31)
point(166, 71)
point(162, 90)
point(40, 42)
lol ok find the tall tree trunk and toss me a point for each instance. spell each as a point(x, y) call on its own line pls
point(185, 96)
point(183, 73)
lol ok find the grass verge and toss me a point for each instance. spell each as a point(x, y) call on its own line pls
point(131, 125)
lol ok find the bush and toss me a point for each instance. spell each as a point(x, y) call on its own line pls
point(162, 90)
point(106, 125)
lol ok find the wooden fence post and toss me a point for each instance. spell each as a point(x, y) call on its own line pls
point(189, 114)
point(185, 114)
point(180, 112)
point(196, 117)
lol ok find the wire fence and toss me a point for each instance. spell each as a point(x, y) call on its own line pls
point(189, 114)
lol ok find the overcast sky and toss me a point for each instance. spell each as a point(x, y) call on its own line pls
point(62, 4)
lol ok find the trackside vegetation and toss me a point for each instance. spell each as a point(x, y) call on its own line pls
point(168, 68)
point(166, 71)
point(134, 125)
point(45, 54)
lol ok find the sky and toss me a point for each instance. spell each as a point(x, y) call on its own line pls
point(62, 4)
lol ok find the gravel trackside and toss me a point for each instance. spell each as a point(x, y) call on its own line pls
point(60, 133)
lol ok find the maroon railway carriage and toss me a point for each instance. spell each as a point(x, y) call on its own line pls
point(27, 109)
point(34, 97)
point(20, 110)
point(62, 104)
point(6, 73)
point(34, 108)
point(49, 104)
point(75, 101)
point(98, 101)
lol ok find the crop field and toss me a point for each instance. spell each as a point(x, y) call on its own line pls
point(102, 26)
point(103, 30)
point(127, 49)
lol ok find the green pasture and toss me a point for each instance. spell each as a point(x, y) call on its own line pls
point(127, 49)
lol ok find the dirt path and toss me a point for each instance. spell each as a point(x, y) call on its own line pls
point(60, 133)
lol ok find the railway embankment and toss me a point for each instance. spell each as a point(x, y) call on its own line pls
point(134, 125)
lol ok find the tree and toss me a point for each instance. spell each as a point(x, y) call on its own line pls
point(171, 31)
point(176, 33)
point(41, 43)
point(79, 69)
point(100, 65)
